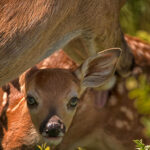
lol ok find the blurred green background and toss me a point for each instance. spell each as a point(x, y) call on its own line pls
point(135, 18)
point(135, 21)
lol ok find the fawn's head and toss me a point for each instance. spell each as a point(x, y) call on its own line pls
point(53, 94)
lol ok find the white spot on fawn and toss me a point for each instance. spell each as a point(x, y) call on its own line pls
point(120, 88)
point(122, 124)
point(4, 99)
point(127, 112)
point(113, 101)
point(119, 124)
point(17, 106)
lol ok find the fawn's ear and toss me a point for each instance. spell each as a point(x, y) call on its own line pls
point(26, 77)
point(96, 70)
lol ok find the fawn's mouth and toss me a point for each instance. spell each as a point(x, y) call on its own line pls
point(52, 131)
point(60, 135)
point(53, 140)
point(53, 137)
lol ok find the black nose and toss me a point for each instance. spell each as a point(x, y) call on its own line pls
point(53, 130)
point(52, 127)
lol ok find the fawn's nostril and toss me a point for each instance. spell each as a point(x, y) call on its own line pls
point(64, 129)
point(53, 133)
point(59, 121)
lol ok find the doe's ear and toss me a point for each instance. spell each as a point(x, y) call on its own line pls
point(96, 70)
point(26, 76)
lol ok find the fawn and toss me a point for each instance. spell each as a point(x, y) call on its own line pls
point(53, 95)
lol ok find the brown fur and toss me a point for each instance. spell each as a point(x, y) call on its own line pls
point(108, 128)
point(24, 126)
point(31, 30)
point(14, 130)
point(82, 126)
point(53, 89)
point(140, 50)
point(17, 131)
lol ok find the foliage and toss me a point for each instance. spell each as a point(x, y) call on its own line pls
point(43, 147)
point(141, 94)
point(135, 21)
point(146, 123)
point(141, 146)
point(143, 35)
point(79, 148)
point(139, 90)
point(135, 18)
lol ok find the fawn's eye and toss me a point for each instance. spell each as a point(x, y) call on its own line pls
point(73, 102)
point(31, 100)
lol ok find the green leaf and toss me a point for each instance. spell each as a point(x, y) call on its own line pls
point(39, 147)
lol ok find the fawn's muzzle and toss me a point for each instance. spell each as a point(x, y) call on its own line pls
point(54, 128)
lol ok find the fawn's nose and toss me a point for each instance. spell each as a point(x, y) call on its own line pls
point(53, 129)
